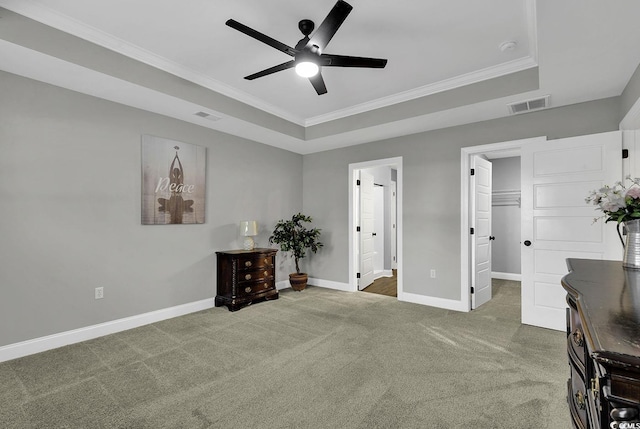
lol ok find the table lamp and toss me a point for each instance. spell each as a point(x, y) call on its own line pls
point(248, 229)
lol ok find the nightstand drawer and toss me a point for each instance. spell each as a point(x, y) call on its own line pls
point(577, 399)
point(252, 288)
point(255, 262)
point(255, 275)
point(575, 337)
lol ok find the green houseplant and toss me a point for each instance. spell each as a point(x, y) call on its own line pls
point(293, 236)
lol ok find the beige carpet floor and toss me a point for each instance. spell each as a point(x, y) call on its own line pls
point(312, 359)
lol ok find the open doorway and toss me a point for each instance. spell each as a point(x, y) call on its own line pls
point(552, 230)
point(383, 278)
point(375, 216)
point(495, 220)
point(504, 233)
point(506, 204)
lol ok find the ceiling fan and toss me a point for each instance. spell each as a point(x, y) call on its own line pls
point(308, 57)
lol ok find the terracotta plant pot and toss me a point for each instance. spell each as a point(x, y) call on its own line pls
point(298, 281)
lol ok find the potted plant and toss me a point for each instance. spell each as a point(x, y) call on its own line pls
point(292, 236)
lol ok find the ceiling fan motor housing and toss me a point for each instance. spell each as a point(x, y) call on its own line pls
point(306, 26)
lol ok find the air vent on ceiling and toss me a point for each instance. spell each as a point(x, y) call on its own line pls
point(209, 116)
point(529, 105)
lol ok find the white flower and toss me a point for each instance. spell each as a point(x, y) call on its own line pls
point(613, 205)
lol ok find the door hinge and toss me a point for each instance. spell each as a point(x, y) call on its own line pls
point(473, 290)
point(473, 231)
point(358, 275)
point(625, 153)
point(473, 171)
point(358, 182)
point(357, 229)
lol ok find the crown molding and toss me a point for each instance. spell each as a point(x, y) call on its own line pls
point(38, 12)
point(426, 90)
point(524, 63)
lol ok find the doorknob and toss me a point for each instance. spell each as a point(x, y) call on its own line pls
point(527, 243)
point(491, 237)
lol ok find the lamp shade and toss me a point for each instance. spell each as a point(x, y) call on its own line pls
point(248, 228)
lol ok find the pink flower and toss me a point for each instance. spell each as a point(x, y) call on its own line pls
point(633, 192)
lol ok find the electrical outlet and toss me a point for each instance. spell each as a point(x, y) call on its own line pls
point(433, 274)
point(99, 292)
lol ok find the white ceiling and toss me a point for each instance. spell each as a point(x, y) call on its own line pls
point(584, 50)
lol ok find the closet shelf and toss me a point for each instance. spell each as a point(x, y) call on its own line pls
point(505, 198)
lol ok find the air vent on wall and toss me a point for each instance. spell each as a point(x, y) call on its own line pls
point(529, 105)
point(209, 116)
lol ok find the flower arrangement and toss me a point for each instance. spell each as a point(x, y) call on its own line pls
point(617, 202)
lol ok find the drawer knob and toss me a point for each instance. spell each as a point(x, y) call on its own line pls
point(580, 400)
point(266, 260)
point(247, 277)
point(247, 289)
point(266, 273)
point(578, 338)
point(266, 285)
point(248, 264)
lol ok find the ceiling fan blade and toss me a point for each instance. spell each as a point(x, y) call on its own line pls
point(271, 70)
point(330, 25)
point(261, 37)
point(328, 60)
point(318, 84)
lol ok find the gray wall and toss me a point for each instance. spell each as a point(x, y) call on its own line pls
point(70, 187)
point(70, 178)
point(505, 220)
point(431, 165)
point(630, 94)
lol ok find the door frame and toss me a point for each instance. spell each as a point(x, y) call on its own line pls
point(503, 149)
point(396, 164)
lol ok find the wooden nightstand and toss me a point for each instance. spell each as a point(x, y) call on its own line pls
point(245, 277)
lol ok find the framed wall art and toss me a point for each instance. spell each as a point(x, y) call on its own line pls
point(173, 182)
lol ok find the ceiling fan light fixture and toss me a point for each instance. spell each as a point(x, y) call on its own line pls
point(307, 68)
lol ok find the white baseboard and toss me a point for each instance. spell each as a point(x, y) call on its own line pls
point(330, 284)
point(506, 276)
point(37, 345)
point(448, 304)
point(317, 282)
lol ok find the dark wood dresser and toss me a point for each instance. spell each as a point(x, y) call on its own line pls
point(245, 277)
point(603, 343)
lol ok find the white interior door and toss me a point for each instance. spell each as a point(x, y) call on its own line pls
point(481, 238)
point(557, 223)
point(367, 250)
